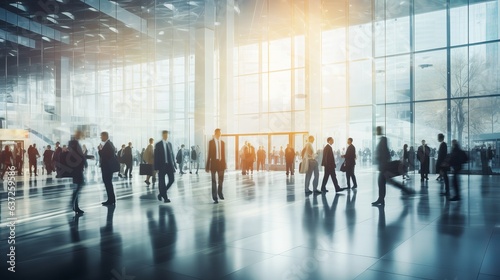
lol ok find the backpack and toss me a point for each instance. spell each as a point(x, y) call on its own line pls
point(194, 156)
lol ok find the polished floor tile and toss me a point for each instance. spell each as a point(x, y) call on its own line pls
point(266, 228)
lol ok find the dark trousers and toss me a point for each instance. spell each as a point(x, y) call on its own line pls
point(424, 175)
point(289, 167)
point(107, 178)
point(74, 198)
point(444, 174)
point(330, 172)
point(260, 164)
point(217, 179)
point(34, 165)
point(19, 165)
point(349, 173)
point(244, 167)
point(168, 170)
point(456, 185)
point(6, 167)
point(382, 181)
point(249, 165)
point(128, 169)
point(49, 167)
point(78, 181)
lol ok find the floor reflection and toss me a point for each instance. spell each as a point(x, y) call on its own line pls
point(266, 228)
point(163, 234)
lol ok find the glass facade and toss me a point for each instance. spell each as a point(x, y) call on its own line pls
point(262, 68)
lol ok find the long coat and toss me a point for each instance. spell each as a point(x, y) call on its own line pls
point(423, 156)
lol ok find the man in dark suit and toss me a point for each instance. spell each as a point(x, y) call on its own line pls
point(56, 158)
point(19, 151)
point(383, 158)
point(350, 162)
point(33, 155)
point(441, 166)
point(180, 159)
point(423, 154)
point(261, 158)
point(216, 163)
point(128, 159)
point(289, 158)
point(109, 165)
point(329, 163)
point(165, 164)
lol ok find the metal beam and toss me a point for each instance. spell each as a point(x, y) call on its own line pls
point(33, 26)
point(115, 11)
point(20, 40)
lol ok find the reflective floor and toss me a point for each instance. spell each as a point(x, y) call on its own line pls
point(265, 229)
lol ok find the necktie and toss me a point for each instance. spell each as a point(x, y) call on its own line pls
point(166, 152)
point(218, 155)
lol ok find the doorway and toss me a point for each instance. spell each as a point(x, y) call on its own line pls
point(272, 143)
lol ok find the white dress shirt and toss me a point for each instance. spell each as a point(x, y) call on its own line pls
point(165, 145)
point(217, 149)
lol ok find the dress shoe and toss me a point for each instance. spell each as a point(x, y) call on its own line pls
point(455, 198)
point(120, 175)
point(378, 203)
point(355, 186)
point(340, 189)
point(159, 197)
point(308, 192)
point(221, 196)
point(324, 190)
point(166, 200)
point(317, 192)
point(216, 202)
point(147, 183)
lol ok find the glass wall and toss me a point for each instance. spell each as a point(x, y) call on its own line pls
point(328, 68)
point(127, 68)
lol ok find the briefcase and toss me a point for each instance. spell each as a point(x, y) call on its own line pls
point(394, 168)
point(145, 169)
point(343, 167)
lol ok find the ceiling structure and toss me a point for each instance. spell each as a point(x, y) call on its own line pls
point(123, 31)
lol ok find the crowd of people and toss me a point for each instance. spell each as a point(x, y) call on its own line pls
point(388, 169)
point(158, 161)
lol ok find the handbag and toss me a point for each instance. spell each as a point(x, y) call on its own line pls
point(304, 166)
point(343, 167)
point(394, 168)
point(145, 169)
